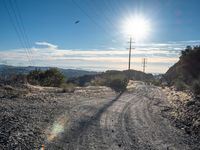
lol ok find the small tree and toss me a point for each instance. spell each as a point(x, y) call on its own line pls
point(50, 77)
point(196, 88)
point(53, 77)
point(180, 85)
point(34, 77)
point(117, 82)
point(118, 85)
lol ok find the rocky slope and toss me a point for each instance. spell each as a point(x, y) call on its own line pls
point(187, 69)
point(186, 105)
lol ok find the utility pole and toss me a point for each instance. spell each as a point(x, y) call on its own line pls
point(144, 64)
point(130, 48)
point(129, 59)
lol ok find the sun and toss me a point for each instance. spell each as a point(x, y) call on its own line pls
point(137, 27)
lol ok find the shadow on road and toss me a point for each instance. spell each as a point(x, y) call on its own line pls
point(79, 126)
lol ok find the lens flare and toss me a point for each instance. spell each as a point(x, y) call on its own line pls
point(57, 128)
point(138, 27)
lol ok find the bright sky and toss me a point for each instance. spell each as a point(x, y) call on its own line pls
point(44, 33)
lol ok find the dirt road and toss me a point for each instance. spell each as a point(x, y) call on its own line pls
point(133, 120)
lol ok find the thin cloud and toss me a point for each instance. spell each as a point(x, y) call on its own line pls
point(48, 45)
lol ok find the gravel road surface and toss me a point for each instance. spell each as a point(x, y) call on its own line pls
point(132, 120)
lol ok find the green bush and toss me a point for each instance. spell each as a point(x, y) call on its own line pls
point(34, 77)
point(68, 87)
point(51, 77)
point(196, 88)
point(156, 82)
point(180, 85)
point(118, 83)
point(98, 81)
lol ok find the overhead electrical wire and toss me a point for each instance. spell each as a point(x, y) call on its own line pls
point(91, 18)
point(17, 27)
point(96, 10)
point(107, 19)
point(21, 27)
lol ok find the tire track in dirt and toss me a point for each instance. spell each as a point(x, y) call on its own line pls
point(76, 136)
point(112, 124)
point(151, 128)
point(131, 121)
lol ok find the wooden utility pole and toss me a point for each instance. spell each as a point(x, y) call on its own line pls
point(130, 48)
point(144, 64)
point(129, 58)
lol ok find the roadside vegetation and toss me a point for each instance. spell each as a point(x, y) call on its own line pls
point(54, 77)
point(118, 84)
point(185, 76)
point(51, 77)
point(196, 89)
point(68, 87)
point(116, 80)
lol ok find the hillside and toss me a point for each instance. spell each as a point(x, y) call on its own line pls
point(185, 74)
point(6, 70)
point(187, 69)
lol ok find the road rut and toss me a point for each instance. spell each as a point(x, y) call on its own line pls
point(133, 120)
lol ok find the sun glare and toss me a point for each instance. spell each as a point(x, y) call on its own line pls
point(137, 27)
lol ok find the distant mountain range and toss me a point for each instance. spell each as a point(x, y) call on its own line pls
point(76, 75)
point(6, 70)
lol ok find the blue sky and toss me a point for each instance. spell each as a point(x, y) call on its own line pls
point(97, 41)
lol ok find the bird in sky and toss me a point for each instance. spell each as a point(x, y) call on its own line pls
point(77, 22)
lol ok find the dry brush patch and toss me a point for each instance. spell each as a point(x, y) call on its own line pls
point(185, 111)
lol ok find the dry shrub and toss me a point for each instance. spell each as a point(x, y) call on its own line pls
point(68, 87)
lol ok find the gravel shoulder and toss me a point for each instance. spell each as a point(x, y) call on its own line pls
point(31, 116)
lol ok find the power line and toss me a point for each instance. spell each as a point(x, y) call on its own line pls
point(105, 16)
point(108, 14)
point(93, 20)
point(21, 27)
point(16, 29)
point(86, 14)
